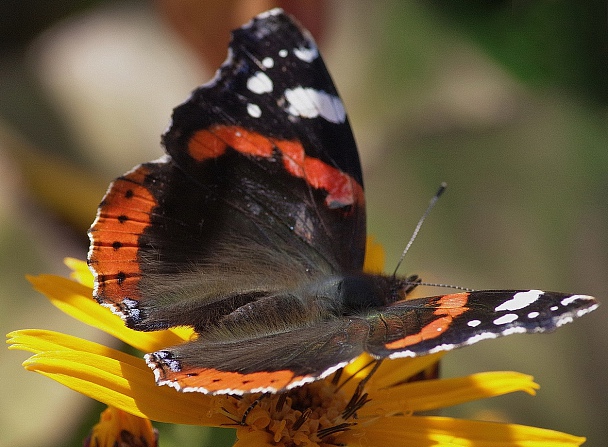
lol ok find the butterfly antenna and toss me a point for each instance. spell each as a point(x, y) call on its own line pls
point(444, 286)
point(432, 203)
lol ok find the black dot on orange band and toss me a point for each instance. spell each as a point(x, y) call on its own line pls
point(116, 245)
point(123, 218)
point(129, 193)
point(120, 277)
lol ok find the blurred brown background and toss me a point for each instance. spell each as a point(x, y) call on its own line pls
point(505, 101)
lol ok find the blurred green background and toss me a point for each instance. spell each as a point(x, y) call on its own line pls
point(505, 101)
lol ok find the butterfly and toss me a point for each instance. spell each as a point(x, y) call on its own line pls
point(251, 230)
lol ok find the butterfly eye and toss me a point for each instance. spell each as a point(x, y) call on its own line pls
point(401, 288)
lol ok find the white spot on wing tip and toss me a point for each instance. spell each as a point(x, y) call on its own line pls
point(269, 13)
point(586, 310)
point(474, 323)
point(505, 319)
point(264, 15)
point(564, 320)
point(268, 62)
point(572, 298)
point(311, 103)
point(306, 54)
point(520, 300)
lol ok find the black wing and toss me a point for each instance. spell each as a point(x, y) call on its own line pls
point(261, 190)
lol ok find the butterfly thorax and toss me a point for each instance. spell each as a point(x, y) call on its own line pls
point(360, 292)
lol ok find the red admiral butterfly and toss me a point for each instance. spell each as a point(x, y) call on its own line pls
point(251, 230)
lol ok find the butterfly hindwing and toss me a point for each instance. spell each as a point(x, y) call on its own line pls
point(407, 328)
point(269, 362)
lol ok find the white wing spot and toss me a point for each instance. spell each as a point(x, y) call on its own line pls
point(581, 312)
point(553, 308)
point(571, 299)
point(474, 323)
point(479, 337)
point(271, 12)
point(306, 54)
point(402, 354)
point(259, 83)
point(564, 320)
point(520, 300)
point(254, 110)
point(310, 103)
point(514, 330)
point(268, 62)
point(444, 347)
point(283, 53)
point(507, 318)
point(533, 315)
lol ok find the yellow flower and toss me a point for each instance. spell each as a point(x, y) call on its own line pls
point(366, 404)
point(121, 429)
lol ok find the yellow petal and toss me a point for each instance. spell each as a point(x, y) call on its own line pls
point(247, 437)
point(395, 371)
point(389, 373)
point(374, 256)
point(433, 394)
point(114, 378)
point(360, 367)
point(437, 431)
point(41, 340)
point(80, 271)
point(76, 300)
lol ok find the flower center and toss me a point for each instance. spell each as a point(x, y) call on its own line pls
point(308, 415)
